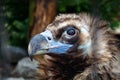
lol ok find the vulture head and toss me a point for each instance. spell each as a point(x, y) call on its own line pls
point(76, 47)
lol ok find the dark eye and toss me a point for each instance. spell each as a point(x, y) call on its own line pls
point(71, 32)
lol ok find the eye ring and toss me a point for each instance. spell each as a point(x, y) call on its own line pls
point(71, 31)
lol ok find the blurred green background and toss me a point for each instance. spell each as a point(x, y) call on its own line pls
point(17, 15)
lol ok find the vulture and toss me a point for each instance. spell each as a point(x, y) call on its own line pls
point(76, 47)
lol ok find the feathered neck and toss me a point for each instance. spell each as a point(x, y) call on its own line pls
point(61, 67)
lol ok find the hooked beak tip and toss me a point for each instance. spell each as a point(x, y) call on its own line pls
point(31, 57)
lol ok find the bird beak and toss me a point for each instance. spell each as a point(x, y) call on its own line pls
point(45, 43)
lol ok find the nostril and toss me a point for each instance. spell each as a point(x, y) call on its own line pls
point(49, 38)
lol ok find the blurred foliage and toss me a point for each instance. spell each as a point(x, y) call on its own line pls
point(17, 21)
point(17, 12)
point(18, 33)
